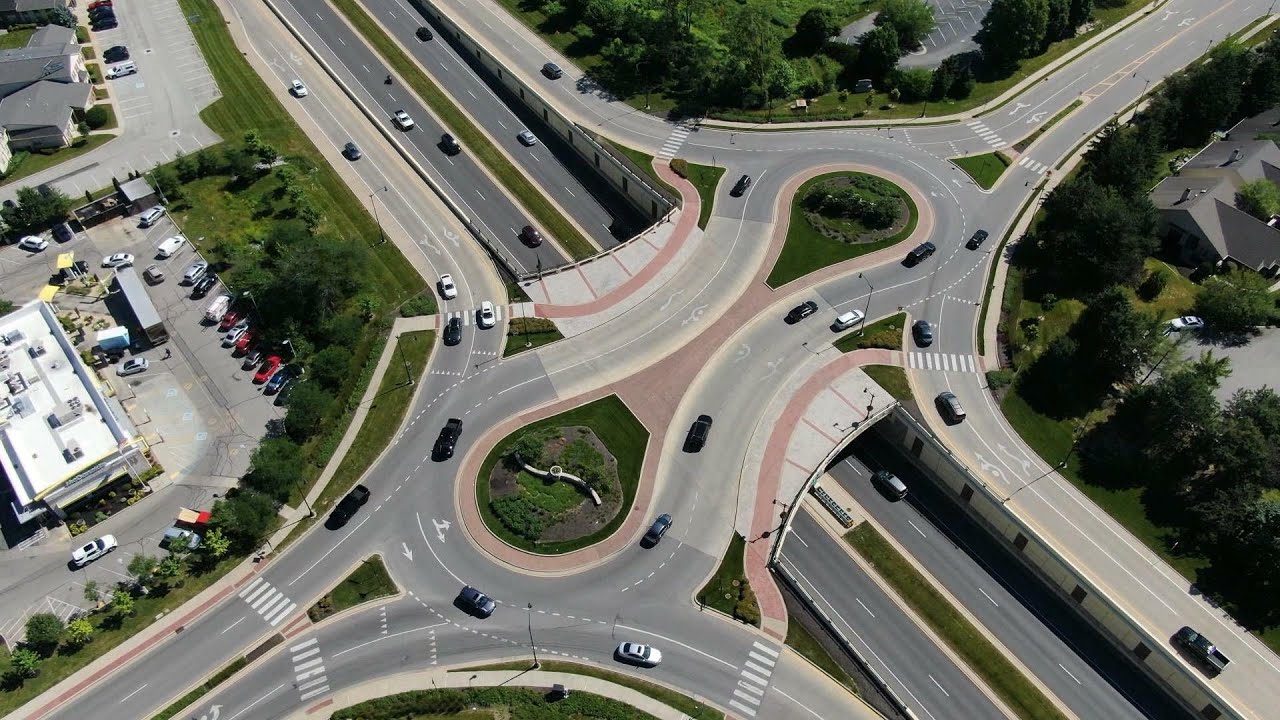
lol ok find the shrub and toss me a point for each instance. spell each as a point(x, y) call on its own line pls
point(96, 117)
point(418, 305)
point(1152, 286)
point(44, 632)
point(999, 379)
point(1048, 301)
point(531, 446)
point(680, 166)
point(747, 609)
point(79, 633)
point(519, 326)
point(518, 514)
point(25, 663)
point(582, 459)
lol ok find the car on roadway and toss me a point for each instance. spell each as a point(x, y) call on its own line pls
point(268, 369)
point(347, 507)
point(475, 602)
point(453, 331)
point(282, 379)
point(922, 331)
point(1186, 322)
point(203, 286)
point(530, 236)
point(920, 253)
point(448, 439)
point(424, 33)
point(89, 552)
point(552, 71)
point(236, 332)
point(297, 88)
point(118, 260)
point(351, 151)
point(844, 321)
point(194, 272)
point(486, 318)
point(976, 241)
point(889, 485)
point(115, 54)
point(527, 138)
point(654, 534)
point(402, 120)
point(448, 289)
point(698, 432)
point(32, 243)
point(741, 186)
point(133, 366)
point(449, 144)
point(949, 407)
point(638, 654)
point(801, 311)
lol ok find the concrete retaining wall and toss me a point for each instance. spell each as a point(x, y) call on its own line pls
point(1155, 655)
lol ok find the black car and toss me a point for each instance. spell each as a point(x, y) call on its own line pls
point(101, 12)
point(657, 530)
point(203, 286)
point(424, 34)
point(976, 241)
point(741, 186)
point(922, 331)
point(453, 332)
point(698, 434)
point(530, 236)
point(801, 311)
point(949, 407)
point(351, 150)
point(552, 71)
point(115, 54)
point(921, 251)
point(105, 24)
point(62, 232)
point(475, 602)
point(449, 145)
point(348, 507)
point(448, 439)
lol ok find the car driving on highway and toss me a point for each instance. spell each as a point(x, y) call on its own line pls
point(448, 439)
point(402, 120)
point(448, 290)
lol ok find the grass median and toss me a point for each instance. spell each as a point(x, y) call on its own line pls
point(530, 196)
point(804, 643)
point(528, 334)
point(1000, 675)
point(885, 334)
point(1025, 142)
point(368, 582)
point(892, 379)
point(728, 590)
point(984, 169)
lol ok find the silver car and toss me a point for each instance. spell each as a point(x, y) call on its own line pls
point(133, 367)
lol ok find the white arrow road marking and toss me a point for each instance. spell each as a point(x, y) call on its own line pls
point(1018, 107)
point(441, 526)
point(215, 711)
point(1186, 23)
point(1036, 118)
point(742, 353)
point(407, 552)
point(694, 315)
point(670, 297)
point(1026, 464)
point(988, 467)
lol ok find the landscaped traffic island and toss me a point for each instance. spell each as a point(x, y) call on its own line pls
point(839, 216)
point(563, 482)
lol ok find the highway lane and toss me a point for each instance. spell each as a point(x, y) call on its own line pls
point(916, 669)
point(1084, 670)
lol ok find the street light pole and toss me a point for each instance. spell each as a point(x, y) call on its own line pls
point(408, 376)
point(373, 201)
point(863, 329)
point(532, 645)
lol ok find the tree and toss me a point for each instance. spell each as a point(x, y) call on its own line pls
point(1260, 407)
point(953, 78)
point(215, 543)
point(1260, 198)
point(44, 632)
point(1204, 97)
point(911, 19)
point(239, 161)
point(1263, 89)
point(166, 179)
point(1116, 340)
point(1123, 158)
point(79, 632)
point(122, 602)
point(1079, 14)
point(308, 405)
point(25, 663)
point(244, 518)
point(62, 16)
point(96, 116)
point(331, 367)
point(1094, 236)
point(1058, 24)
point(1012, 30)
point(914, 84)
point(91, 591)
point(276, 469)
point(752, 29)
point(1172, 421)
point(1235, 303)
point(813, 29)
point(36, 209)
point(143, 567)
point(879, 51)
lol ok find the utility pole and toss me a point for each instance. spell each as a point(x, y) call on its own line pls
point(862, 330)
point(373, 201)
point(532, 645)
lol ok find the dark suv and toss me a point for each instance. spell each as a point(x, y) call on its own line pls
point(453, 332)
point(348, 507)
point(698, 434)
point(976, 241)
point(922, 331)
point(475, 602)
point(741, 186)
point(448, 439)
point(657, 530)
point(801, 311)
point(552, 71)
point(922, 251)
point(449, 145)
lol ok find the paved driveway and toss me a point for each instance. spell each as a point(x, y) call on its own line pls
point(957, 22)
point(1253, 365)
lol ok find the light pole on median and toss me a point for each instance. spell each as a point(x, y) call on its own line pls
point(871, 291)
point(532, 645)
point(382, 236)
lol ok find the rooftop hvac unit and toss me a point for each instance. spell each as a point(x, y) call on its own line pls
point(35, 351)
point(72, 453)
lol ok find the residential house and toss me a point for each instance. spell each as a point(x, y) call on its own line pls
point(13, 12)
point(1200, 220)
point(44, 87)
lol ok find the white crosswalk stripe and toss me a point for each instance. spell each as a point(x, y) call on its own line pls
point(267, 601)
point(1035, 167)
point(754, 679)
point(309, 670)
point(468, 317)
point(674, 142)
point(983, 132)
point(944, 362)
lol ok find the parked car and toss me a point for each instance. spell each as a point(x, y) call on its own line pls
point(844, 321)
point(229, 318)
point(118, 260)
point(99, 3)
point(150, 216)
point(352, 151)
point(31, 243)
point(153, 274)
point(133, 366)
point(949, 407)
point(976, 241)
point(115, 54)
point(476, 602)
point(347, 507)
point(801, 311)
point(1186, 322)
point(424, 34)
point(448, 439)
point(89, 552)
point(741, 186)
point(919, 253)
point(267, 370)
point(552, 71)
point(297, 88)
point(170, 246)
point(448, 290)
point(922, 331)
point(486, 317)
point(173, 534)
point(526, 138)
point(637, 654)
point(121, 70)
point(449, 145)
point(203, 286)
point(453, 332)
point(242, 345)
point(530, 236)
point(253, 358)
point(105, 24)
point(194, 272)
point(402, 120)
point(698, 432)
point(655, 532)
point(62, 232)
point(889, 485)
point(282, 379)
point(236, 332)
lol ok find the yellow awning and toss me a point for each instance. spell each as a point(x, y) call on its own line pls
point(66, 260)
point(48, 292)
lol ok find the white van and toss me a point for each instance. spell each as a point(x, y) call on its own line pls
point(217, 308)
point(151, 216)
point(170, 246)
point(117, 71)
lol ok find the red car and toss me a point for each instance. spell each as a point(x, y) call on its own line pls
point(228, 320)
point(99, 3)
point(242, 345)
point(269, 368)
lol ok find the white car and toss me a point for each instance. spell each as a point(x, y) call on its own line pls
point(233, 335)
point(486, 319)
point(299, 90)
point(133, 367)
point(527, 138)
point(847, 320)
point(33, 243)
point(448, 290)
point(86, 554)
point(119, 260)
point(1187, 322)
point(645, 655)
point(402, 120)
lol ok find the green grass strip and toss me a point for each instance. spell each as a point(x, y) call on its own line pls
point(675, 700)
point(885, 333)
point(1025, 142)
point(728, 590)
point(523, 334)
point(546, 214)
point(984, 169)
point(893, 379)
point(213, 682)
point(804, 643)
point(1002, 676)
point(368, 582)
point(995, 262)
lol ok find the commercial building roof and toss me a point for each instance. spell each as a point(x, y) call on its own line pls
point(54, 419)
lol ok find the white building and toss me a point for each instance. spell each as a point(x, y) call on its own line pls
point(60, 437)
